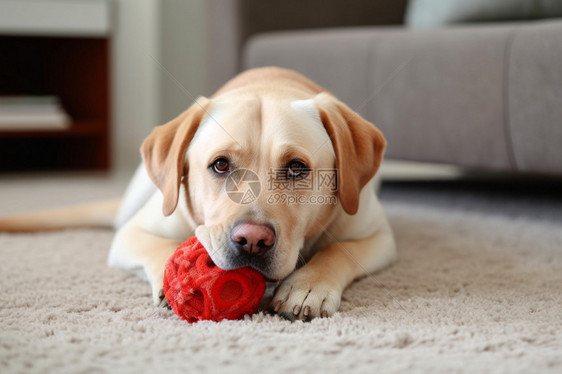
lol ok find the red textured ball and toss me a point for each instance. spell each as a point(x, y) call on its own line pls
point(196, 289)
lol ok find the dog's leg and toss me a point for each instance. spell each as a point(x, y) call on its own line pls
point(147, 241)
point(315, 289)
point(135, 249)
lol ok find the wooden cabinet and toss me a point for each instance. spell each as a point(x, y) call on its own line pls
point(71, 65)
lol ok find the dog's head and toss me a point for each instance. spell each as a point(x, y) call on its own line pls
point(263, 174)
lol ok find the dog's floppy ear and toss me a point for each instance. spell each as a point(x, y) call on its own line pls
point(164, 151)
point(358, 144)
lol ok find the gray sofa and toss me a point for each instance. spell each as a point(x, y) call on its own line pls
point(483, 96)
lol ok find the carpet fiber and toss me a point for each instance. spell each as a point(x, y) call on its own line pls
point(477, 287)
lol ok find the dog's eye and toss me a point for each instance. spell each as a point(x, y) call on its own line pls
point(221, 166)
point(297, 170)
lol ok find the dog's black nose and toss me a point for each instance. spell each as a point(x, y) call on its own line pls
point(252, 238)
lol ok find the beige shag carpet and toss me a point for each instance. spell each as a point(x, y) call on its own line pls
point(477, 288)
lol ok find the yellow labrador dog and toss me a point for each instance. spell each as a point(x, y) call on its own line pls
point(271, 172)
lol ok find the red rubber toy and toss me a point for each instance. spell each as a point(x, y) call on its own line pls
point(196, 289)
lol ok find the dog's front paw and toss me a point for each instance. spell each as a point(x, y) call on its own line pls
point(305, 295)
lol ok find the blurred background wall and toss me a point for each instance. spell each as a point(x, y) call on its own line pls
point(158, 64)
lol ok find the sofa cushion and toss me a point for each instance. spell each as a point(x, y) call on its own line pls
point(534, 97)
point(440, 95)
point(426, 13)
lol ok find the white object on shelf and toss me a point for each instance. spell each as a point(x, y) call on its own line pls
point(19, 113)
point(55, 17)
